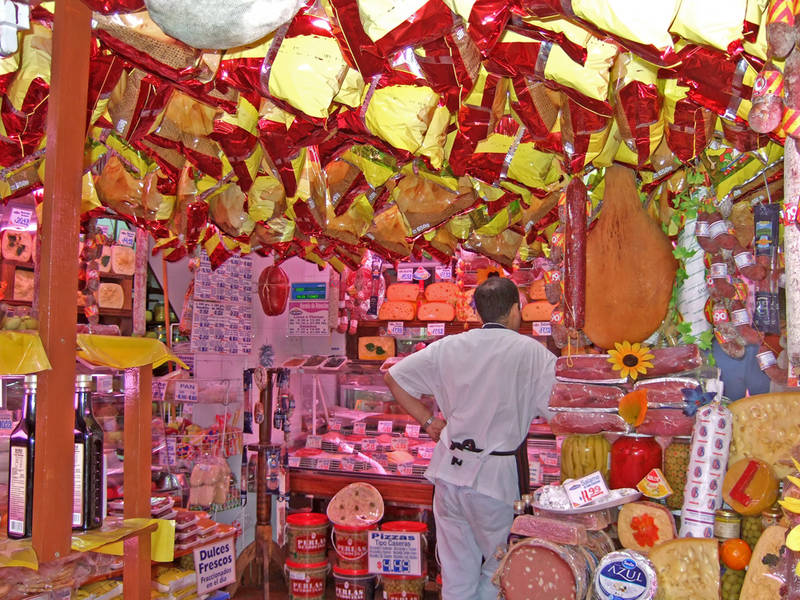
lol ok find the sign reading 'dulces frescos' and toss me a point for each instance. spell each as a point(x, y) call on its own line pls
point(394, 553)
point(215, 565)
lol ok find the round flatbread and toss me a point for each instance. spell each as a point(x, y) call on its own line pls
point(358, 504)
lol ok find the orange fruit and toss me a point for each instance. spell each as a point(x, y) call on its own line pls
point(735, 554)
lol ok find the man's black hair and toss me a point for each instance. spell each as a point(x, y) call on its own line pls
point(495, 297)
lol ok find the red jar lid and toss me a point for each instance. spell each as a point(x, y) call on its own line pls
point(408, 526)
point(353, 528)
point(350, 572)
point(306, 519)
point(306, 566)
point(404, 577)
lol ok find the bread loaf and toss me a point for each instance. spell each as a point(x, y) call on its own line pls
point(397, 310)
point(110, 295)
point(23, 285)
point(402, 292)
point(539, 310)
point(436, 311)
point(123, 260)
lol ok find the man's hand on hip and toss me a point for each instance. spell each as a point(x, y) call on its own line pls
point(435, 428)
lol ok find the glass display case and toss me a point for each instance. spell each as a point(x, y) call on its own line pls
point(345, 420)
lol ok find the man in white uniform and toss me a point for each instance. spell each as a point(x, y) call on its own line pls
point(489, 383)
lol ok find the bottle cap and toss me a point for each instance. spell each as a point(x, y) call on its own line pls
point(83, 382)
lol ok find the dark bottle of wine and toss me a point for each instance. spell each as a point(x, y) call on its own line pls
point(89, 475)
point(20, 472)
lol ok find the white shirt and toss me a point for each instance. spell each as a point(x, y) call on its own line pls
point(489, 385)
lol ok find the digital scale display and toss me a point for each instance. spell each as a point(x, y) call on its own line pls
point(309, 291)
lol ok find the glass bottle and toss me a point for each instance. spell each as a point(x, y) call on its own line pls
point(20, 475)
point(89, 474)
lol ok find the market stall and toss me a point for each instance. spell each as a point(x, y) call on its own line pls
point(295, 196)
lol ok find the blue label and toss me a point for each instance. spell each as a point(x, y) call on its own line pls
point(622, 580)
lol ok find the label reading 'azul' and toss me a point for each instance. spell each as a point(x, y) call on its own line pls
point(623, 580)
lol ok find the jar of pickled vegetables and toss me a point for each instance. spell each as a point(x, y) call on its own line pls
point(676, 464)
point(632, 457)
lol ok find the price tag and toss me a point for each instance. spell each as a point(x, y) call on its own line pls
point(405, 274)
point(294, 462)
point(359, 428)
point(369, 444)
point(381, 459)
point(536, 473)
point(348, 465)
point(425, 452)
point(323, 464)
point(385, 426)
point(549, 459)
point(314, 441)
point(412, 430)
point(395, 328)
point(336, 425)
point(541, 328)
point(186, 391)
point(400, 443)
point(435, 329)
point(105, 384)
point(170, 441)
point(586, 490)
point(20, 217)
point(126, 237)
point(444, 273)
point(405, 469)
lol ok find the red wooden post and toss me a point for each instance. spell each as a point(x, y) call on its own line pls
point(58, 282)
point(138, 440)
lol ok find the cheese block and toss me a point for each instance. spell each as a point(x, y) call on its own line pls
point(750, 486)
point(765, 427)
point(643, 525)
point(110, 295)
point(375, 348)
point(443, 291)
point(123, 260)
point(402, 292)
point(397, 310)
point(17, 245)
point(758, 584)
point(436, 311)
point(104, 261)
point(687, 569)
point(536, 291)
point(23, 285)
point(539, 310)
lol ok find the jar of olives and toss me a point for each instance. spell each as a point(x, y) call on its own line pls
point(676, 464)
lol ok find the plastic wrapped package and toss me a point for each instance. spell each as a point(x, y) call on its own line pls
point(136, 102)
point(349, 226)
point(584, 134)
point(689, 127)
point(388, 233)
point(427, 199)
point(580, 421)
point(533, 568)
point(228, 210)
point(557, 531)
point(585, 395)
point(501, 248)
point(702, 496)
point(308, 47)
point(666, 422)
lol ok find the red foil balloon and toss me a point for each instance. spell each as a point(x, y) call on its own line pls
point(108, 7)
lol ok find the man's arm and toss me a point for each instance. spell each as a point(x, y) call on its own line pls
point(415, 408)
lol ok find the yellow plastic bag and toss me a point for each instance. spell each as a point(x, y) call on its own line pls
point(109, 541)
point(124, 352)
point(22, 353)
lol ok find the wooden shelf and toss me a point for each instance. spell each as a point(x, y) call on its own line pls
point(116, 276)
point(316, 483)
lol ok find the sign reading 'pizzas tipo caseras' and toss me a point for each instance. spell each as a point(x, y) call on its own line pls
point(215, 565)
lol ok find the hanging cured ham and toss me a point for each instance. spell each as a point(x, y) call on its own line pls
point(630, 269)
point(273, 290)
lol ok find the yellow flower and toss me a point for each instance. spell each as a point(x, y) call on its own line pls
point(631, 360)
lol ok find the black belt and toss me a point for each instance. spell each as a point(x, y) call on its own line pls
point(520, 454)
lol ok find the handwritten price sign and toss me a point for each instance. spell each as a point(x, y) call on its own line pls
point(586, 490)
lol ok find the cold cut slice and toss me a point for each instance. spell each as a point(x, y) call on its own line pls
point(539, 569)
point(666, 390)
point(667, 422)
point(630, 269)
point(585, 395)
point(558, 531)
point(586, 422)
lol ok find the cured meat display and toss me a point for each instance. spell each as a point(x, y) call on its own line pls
point(585, 395)
point(595, 368)
point(273, 290)
point(575, 255)
point(630, 268)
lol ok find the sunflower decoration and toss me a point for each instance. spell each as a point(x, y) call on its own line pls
point(631, 360)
